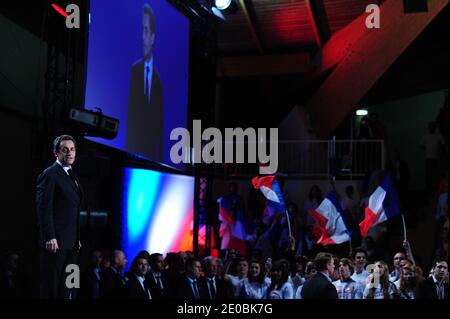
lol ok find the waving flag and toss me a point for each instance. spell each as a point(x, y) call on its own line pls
point(271, 191)
point(236, 227)
point(227, 205)
point(330, 225)
point(383, 205)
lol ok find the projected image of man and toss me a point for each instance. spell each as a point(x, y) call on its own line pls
point(145, 101)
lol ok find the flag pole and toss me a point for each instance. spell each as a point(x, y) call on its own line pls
point(404, 226)
point(289, 223)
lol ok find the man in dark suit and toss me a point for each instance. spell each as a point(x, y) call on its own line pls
point(90, 278)
point(188, 285)
point(211, 285)
point(145, 101)
point(137, 286)
point(320, 285)
point(112, 283)
point(436, 286)
point(58, 199)
point(157, 278)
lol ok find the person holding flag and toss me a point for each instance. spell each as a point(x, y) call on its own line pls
point(235, 228)
point(330, 225)
point(383, 205)
point(275, 204)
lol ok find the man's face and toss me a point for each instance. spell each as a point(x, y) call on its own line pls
point(142, 266)
point(183, 256)
point(148, 36)
point(360, 260)
point(398, 257)
point(330, 266)
point(242, 268)
point(211, 268)
point(219, 265)
point(121, 261)
point(196, 269)
point(97, 258)
point(66, 153)
point(344, 271)
point(440, 270)
point(159, 263)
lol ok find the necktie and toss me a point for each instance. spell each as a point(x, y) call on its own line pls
point(212, 289)
point(195, 289)
point(72, 176)
point(147, 93)
point(158, 281)
point(440, 290)
point(144, 283)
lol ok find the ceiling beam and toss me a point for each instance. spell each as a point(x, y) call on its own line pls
point(260, 65)
point(316, 11)
point(339, 44)
point(313, 19)
point(363, 58)
point(248, 9)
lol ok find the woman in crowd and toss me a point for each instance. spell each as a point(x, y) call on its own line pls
point(281, 287)
point(255, 286)
point(378, 284)
point(410, 276)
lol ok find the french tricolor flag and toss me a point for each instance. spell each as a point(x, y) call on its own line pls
point(330, 225)
point(271, 190)
point(383, 205)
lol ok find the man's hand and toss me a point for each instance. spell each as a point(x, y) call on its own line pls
point(52, 245)
point(406, 245)
point(291, 243)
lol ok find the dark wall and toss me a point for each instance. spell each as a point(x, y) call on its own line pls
point(19, 166)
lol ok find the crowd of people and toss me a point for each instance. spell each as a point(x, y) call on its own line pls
point(182, 276)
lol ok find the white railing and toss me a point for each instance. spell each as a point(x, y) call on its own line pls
point(319, 159)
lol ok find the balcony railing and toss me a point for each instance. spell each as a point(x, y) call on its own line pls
point(319, 159)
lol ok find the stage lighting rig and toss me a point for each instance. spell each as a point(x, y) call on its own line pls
point(94, 123)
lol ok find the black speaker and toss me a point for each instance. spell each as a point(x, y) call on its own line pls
point(411, 6)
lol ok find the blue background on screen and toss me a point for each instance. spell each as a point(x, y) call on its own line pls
point(115, 43)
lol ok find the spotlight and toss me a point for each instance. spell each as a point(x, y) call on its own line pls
point(228, 6)
point(222, 4)
point(362, 112)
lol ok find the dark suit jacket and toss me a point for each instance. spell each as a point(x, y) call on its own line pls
point(134, 288)
point(90, 285)
point(155, 289)
point(58, 202)
point(318, 287)
point(427, 290)
point(220, 288)
point(184, 290)
point(145, 119)
point(112, 285)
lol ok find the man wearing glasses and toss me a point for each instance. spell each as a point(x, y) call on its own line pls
point(58, 200)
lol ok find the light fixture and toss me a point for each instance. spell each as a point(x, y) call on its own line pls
point(362, 112)
point(91, 123)
point(222, 4)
